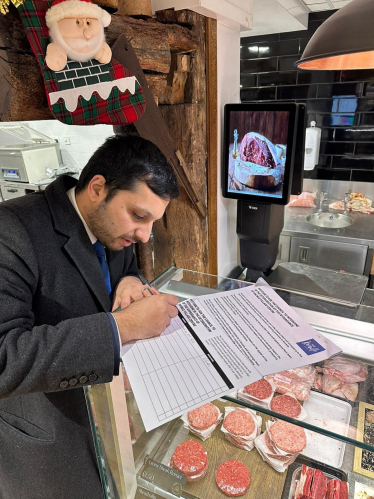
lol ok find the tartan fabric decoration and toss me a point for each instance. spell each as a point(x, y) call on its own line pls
point(82, 93)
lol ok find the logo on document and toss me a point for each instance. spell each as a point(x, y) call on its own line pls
point(310, 347)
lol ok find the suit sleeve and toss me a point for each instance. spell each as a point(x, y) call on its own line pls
point(43, 358)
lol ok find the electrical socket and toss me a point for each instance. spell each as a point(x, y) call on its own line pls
point(67, 141)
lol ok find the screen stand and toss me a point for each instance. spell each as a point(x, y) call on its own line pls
point(258, 227)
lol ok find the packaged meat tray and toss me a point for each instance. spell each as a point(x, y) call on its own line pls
point(190, 458)
point(315, 484)
point(233, 478)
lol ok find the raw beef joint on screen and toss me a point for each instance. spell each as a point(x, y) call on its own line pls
point(258, 149)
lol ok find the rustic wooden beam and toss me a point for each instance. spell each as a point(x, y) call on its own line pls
point(145, 259)
point(176, 80)
point(181, 237)
point(22, 93)
point(135, 8)
point(212, 140)
point(180, 38)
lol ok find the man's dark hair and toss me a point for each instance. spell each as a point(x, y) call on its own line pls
point(125, 161)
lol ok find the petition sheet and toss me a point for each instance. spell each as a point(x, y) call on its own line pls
point(178, 371)
point(267, 331)
point(218, 343)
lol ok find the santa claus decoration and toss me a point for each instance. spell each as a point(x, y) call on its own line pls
point(76, 28)
point(84, 84)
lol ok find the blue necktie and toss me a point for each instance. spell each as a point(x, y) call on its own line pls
point(100, 251)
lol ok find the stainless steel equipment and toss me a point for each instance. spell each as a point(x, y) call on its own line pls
point(329, 254)
point(11, 190)
point(26, 153)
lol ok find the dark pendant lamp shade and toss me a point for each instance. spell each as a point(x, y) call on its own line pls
point(344, 41)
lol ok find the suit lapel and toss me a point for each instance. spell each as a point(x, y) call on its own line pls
point(81, 251)
point(78, 245)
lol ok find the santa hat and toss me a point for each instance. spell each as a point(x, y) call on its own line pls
point(76, 8)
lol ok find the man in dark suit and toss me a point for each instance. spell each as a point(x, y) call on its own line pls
point(66, 261)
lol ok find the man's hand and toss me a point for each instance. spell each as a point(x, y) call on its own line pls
point(146, 318)
point(129, 289)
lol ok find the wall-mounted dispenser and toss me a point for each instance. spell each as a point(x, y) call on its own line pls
point(312, 144)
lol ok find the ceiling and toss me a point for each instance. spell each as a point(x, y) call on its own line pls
point(280, 16)
point(318, 5)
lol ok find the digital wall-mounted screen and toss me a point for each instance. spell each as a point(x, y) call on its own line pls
point(257, 152)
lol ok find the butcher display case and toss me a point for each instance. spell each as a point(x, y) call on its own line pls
point(310, 435)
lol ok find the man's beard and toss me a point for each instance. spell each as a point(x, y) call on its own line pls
point(98, 223)
point(93, 44)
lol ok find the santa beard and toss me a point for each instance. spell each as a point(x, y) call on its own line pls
point(92, 46)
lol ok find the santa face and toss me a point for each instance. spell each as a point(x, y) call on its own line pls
point(81, 38)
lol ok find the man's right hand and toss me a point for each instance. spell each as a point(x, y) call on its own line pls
point(147, 317)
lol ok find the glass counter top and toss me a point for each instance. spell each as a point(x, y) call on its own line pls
point(336, 427)
point(357, 344)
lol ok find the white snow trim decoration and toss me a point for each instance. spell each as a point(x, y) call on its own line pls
point(76, 8)
point(71, 96)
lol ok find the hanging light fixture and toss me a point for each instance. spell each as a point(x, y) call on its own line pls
point(344, 41)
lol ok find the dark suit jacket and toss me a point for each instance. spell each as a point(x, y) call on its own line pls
point(53, 328)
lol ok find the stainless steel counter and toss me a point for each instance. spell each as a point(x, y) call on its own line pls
point(362, 229)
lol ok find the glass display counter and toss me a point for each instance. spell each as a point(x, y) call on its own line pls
point(330, 404)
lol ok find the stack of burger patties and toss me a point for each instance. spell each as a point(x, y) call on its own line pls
point(280, 444)
point(241, 427)
point(202, 421)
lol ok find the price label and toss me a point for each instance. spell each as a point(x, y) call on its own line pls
point(163, 477)
point(146, 494)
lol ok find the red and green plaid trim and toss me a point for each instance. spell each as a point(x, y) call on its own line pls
point(120, 108)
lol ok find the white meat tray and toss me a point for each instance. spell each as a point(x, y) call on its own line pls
point(330, 414)
point(296, 477)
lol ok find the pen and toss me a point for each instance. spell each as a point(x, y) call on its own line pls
point(146, 283)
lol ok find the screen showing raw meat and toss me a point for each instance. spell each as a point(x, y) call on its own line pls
point(257, 152)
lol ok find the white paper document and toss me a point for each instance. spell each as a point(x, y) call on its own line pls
point(219, 343)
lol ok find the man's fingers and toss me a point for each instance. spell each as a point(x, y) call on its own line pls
point(136, 295)
point(171, 299)
point(156, 292)
point(125, 302)
point(172, 311)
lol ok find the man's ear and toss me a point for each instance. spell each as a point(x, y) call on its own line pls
point(96, 189)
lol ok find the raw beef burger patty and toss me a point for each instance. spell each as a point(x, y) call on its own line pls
point(286, 405)
point(190, 458)
point(260, 389)
point(203, 417)
point(239, 422)
point(258, 149)
point(233, 478)
point(288, 437)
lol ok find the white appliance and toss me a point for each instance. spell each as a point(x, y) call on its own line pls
point(26, 154)
point(312, 145)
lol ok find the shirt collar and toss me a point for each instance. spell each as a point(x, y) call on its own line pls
point(71, 196)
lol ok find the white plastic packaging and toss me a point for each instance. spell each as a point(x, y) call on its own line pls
point(245, 442)
point(312, 145)
point(202, 434)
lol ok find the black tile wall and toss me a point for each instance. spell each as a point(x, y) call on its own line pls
point(281, 78)
point(341, 102)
